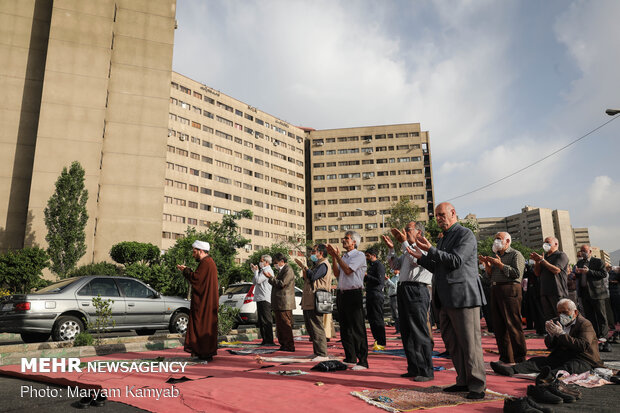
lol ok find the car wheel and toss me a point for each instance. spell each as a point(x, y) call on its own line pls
point(179, 322)
point(34, 337)
point(145, 332)
point(66, 328)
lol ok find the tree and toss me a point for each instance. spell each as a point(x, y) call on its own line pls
point(97, 268)
point(65, 219)
point(130, 252)
point(20, 270)
point(224, 239)
point(402, 213)
point(432, 228)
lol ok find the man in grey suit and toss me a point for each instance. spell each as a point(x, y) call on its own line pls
point(458, 294)
point(283, 301)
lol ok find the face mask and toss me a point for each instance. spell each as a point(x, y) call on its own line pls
point(498, 245)
point(584, 256)
point(314, 258)
point(546, 247)
point(481, 266)
point(565, 319)
point(531, 262)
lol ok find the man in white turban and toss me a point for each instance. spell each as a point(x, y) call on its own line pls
point(201, 335)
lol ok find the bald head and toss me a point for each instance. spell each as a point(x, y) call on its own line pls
point(585, 252)
point(554, 243)
point(445, 214)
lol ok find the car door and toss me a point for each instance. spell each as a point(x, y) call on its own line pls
point(106, 288)
point(144, 305)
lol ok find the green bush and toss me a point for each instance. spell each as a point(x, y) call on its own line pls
point(98, 268)
point(227, 318)
point(130, 252)
point(21, 270)
point(157, 276)
point(83, 339)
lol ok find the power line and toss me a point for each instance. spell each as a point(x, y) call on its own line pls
point(535, 162)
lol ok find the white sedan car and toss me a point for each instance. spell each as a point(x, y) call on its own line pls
point(241, 296)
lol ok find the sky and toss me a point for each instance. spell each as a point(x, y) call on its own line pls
point(498, 85)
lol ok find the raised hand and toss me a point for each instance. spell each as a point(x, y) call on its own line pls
point(333, 251)
point(423, 243)
point(536, 257)
point(398, 234)
point(415, 252)
point(387, 241)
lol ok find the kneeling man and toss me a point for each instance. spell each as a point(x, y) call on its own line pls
point(572, 341)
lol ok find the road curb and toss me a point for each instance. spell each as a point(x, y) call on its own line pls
point(13, 353)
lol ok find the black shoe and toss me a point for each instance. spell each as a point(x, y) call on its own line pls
point(268, 344)
point(407, 375)
point(542, 395)
point(475, 395)
point(502, 369)
point(576, 393)
point(555, 389)
point(537, 406)
point(455, 388)
point(99, 401)
point(84, 402)
point(545, 376)
point(614, 379)
point(604, 347)
point(518, 405)
point(423, 378)
point(287, 349)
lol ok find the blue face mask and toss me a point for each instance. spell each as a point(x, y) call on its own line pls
point(314, 258)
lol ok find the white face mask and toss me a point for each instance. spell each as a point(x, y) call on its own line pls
point(531, 262)
point(498, 245)
point(481, 266)
point(565, 319)
point(546, 247)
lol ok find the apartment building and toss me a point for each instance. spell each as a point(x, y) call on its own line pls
point(532, 225)
point(223, 156)
point(357, 174)
point(86, 81)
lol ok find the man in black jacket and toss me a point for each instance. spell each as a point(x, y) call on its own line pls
point(591, 279)
point(375, 280)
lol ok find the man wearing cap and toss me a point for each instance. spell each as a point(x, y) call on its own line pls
point(201, 335)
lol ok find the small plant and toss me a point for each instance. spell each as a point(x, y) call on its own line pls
point(227, 318)
point(83, 339)
point(103, 311)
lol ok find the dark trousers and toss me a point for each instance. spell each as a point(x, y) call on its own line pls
point(352, 328)
point(374, 313)
point(394, 308)
point(284, 329)
point(595, 312)
point(413, 308)
point(506, 308)
point(614, 299)
point(533, 365)
point(314, 325)
point(549, 304)
point(265, 321)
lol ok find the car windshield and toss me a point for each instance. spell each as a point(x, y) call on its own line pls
point(57, 287)
point(238, 289)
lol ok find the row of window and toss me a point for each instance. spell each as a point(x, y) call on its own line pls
point(337, 240)
point(392, 198)
point(225, 211)
point(364, 175)
point(237, 112)
point(230, 166)
point(183, 136)
point(321, 141)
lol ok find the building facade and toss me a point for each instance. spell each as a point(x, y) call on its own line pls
point(224, 156)
point(356, 175)
point(85, 81)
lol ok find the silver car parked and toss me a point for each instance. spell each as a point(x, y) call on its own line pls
point(65, 308)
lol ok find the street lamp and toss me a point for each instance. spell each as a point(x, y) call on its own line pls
point(612, 112)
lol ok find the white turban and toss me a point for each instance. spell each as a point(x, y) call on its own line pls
point(201, 245)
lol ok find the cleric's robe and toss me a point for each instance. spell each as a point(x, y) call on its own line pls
point(201, 335)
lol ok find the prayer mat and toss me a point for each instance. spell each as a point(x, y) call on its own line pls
point(249, 351)
point(533, 352)
point(404, 400)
